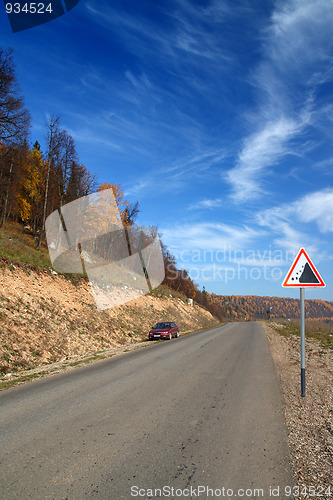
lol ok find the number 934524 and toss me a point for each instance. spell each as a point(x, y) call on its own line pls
point(28, 8)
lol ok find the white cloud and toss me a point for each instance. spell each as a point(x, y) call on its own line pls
point(314, 207)
point(318, 208)
point(292, 239)
point(261, 150)
point(296, 56)
point(300, 23)
point(289, 221)
point(206, 204)
point(208, 236)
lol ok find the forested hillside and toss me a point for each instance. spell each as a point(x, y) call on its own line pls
point(236, 307)
point(36, 179)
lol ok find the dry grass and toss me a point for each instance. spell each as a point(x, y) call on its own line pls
point(17, 244)
point(319, 330)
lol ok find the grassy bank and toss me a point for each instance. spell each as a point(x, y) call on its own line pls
point(320, 330)
point(19, 245)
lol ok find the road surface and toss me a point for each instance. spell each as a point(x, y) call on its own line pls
point(201, 411)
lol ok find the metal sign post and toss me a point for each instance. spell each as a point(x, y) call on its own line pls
point(302, 294)
point(303, 274)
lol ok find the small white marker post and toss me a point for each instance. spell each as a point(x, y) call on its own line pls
point(303, 274)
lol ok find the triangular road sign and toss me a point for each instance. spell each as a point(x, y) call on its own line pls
point(303, 273)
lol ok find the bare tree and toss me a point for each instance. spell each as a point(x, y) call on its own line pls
point(14, 118)
point(66, 179)
point(130, 213)
point(53, 140)
point(6, 181)
point(65, 157)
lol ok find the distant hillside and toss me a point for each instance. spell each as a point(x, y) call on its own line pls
point(237, 307)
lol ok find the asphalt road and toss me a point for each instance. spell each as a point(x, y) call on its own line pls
point(204, 410)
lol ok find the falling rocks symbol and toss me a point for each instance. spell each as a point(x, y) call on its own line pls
point(308, 276)
point(305, 275)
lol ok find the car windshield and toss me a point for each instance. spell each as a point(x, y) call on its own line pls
point(161, 325)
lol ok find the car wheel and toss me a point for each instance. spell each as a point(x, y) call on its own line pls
point(177, 334)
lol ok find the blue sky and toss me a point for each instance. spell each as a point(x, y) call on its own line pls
point(217, 116)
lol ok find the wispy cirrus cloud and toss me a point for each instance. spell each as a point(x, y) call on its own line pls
point(152, 104)
point(297, 48)
point(140, 82)
point(175, 174)
point(261, 151)
point(194, 164)
point(208, 235)
point(325, 166)
point(206, 204)
point(183, 31)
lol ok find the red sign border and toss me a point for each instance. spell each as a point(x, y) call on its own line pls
point(303, 285)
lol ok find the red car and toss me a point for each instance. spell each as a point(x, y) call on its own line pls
point(164, 330)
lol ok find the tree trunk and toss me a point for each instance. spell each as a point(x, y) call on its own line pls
point(41, 234)
point(4, 217)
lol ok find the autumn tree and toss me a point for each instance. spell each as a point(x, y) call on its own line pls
point(128, 212)
point(204, 297)
point(13, 164)
point(170, 267)
point(65, 178)
point(118, 194)
point(111, 215)
point(30, 198)
point(80, 182)
point(14, 126)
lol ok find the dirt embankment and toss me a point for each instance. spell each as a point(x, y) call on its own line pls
point(45, 317)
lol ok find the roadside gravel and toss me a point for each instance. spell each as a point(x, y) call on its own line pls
point(309, 419)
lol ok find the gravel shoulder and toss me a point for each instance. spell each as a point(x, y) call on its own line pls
point(309, 419)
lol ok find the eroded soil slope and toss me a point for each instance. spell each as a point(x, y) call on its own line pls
point(45, 317)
